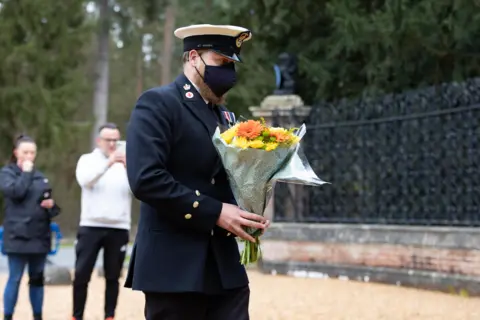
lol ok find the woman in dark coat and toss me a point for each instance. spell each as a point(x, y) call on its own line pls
point(29, 209)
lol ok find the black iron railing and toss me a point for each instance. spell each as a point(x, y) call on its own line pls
point(403, 159)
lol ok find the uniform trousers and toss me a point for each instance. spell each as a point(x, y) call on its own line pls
point(229, 305)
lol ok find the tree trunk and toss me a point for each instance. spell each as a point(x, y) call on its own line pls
point(167, 50)
point(100, 95)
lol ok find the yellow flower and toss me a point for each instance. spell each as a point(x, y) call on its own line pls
point(241, 142)
point(279, 130)
point(228, 135)
point(295, 139)
point(256, 144)
point(292, 140)
point(269, 146)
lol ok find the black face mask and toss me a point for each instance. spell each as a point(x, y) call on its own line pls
point(219, 79)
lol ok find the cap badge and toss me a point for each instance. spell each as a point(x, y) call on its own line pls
point(186, 86)
point(189, 95)
point(241, 37)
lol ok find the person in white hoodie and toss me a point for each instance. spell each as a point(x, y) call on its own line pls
point(105, 219)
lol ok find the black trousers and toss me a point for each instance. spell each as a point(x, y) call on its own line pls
point(231, 305)
point(89, 242)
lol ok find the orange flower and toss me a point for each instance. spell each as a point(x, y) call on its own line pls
point(280, 136)
point(250, 129)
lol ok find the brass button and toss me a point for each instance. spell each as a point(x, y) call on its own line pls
point(228, 234)
point(197, 193)
point(195, 204)
point(212, 233)
point(188, 216)
point(213, 181)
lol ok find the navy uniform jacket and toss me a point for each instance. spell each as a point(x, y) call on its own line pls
point(174, 170)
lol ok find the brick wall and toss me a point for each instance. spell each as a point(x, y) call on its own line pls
point(430, 257)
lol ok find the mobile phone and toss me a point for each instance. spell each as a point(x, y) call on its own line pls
point(121, 146)
point(47, 194)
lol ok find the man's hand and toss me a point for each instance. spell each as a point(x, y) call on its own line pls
point(123, 160)
point(116, 157)
point(47, 204)
point(267, 224)
point(233, 219)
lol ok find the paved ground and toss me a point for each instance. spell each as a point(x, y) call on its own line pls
point(274, 298)
point(285, 298)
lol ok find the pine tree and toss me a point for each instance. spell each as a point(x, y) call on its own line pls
point(41, 79)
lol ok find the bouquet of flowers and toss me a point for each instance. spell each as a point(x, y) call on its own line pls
point(255, 157)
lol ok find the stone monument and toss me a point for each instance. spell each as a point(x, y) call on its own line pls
point(286, 109)
point(286, 74)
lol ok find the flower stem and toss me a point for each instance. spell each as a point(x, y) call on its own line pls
point(251, 252)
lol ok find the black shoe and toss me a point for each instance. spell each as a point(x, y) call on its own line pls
point(5, 317)
point(37, 317)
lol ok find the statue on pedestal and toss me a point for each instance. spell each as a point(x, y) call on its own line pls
point(285, 74)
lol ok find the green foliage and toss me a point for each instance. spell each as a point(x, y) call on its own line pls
point(403, 44)
point(41, 79)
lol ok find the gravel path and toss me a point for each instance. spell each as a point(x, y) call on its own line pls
point(284, 298)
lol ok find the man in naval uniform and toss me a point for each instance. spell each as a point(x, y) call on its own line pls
point(186, 258)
